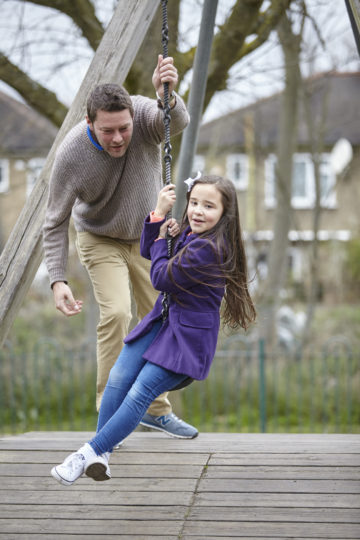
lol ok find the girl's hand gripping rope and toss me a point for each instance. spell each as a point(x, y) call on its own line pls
point(170, 227)
point(165, 202)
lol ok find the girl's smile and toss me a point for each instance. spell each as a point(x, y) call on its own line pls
point(205, 207)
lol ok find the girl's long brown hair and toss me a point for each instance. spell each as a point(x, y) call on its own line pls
point(226, 238)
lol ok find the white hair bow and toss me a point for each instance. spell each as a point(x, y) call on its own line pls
point(190, 181)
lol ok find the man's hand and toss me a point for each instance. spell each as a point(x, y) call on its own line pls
point(165, 71)
point(166, 200)
point(64, 300)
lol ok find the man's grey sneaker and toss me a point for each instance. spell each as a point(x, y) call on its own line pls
point(70, 470)
point(98, 468)
point(171, 425)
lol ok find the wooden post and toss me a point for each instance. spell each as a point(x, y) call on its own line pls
point(353, 8)
point(23, 252)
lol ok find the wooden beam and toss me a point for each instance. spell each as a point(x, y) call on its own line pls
point(353, 8)
point(23, 252)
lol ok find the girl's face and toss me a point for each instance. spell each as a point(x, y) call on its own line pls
point(205, 207)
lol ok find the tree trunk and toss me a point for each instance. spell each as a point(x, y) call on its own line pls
point(316, 132)
point(283, 212)
point(22, 254)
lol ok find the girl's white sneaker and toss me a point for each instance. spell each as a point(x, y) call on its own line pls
point(98, 468)
point(70, 470)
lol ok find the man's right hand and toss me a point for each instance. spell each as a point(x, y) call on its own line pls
point(64, 300)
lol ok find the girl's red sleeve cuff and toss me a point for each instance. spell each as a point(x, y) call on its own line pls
point(154, 218)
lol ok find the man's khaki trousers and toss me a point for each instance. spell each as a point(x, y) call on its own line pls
point(112, 265)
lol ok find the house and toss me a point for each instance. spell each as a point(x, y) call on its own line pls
point(242, 146)
point(25, 140)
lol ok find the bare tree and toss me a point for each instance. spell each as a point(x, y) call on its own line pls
point(288, 121)
point(316, 128)
point(246, 27)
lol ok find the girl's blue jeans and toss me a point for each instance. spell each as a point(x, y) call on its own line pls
point(132, 385)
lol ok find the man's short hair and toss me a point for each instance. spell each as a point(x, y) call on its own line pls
point(108, 97)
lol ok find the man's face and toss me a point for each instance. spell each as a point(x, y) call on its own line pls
point(113, 131)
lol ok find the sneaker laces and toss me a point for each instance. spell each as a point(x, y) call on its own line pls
point(75, 461)
point(174, 417)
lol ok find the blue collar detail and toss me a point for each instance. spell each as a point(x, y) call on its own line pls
point(98, 146)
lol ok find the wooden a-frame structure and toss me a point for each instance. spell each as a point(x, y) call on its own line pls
point(353, 8)
point(23, 251)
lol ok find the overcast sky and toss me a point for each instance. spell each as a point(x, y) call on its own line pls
point(32, 34)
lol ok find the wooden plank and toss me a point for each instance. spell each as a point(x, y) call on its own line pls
point(86, 537)
point(84, 483)
point(248, 443)
point(296, 500)
point(222, 537)
point(73, 496)
point(86, 511)
point(343, 459)
point(265, 438)
point(117, 471)
point(209, 529)
point(121, 456)
point(279, 486)
point(256, 513)
point(281, 472)
point(192, 471)
point(90, 526)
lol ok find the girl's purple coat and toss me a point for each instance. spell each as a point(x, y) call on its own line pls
point(187, 340)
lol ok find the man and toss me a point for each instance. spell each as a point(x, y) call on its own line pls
point(107, 175)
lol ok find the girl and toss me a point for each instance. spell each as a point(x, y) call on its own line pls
point(208, 265)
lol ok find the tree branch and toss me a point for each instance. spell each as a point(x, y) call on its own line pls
point(229, 44)
point(82, 12)
point(267, 22)
point(37, 96)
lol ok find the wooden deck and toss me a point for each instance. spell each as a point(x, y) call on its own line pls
point(218, 486)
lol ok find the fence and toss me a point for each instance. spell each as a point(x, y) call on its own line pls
point(50, 388)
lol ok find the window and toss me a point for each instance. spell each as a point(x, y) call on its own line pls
point(303, 182)
point(270, 181)
point(34, 167)
point(4, 175)
point(237, 170)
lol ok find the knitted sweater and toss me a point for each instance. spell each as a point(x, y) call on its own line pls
point(104, 195)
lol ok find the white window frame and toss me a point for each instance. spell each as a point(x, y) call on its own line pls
point(33, 167)
point(4, 175)
point(232, 160)
point(308, 200)
point(270, 186)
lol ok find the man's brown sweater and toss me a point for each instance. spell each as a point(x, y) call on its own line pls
point(105, 195)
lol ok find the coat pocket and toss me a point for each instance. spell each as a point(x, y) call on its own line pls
point(198, 319)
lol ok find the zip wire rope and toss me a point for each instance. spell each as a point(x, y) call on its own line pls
point(167, 160)
point(167, 145)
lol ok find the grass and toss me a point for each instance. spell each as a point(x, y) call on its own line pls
point(45, 385)
point(316, 394)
